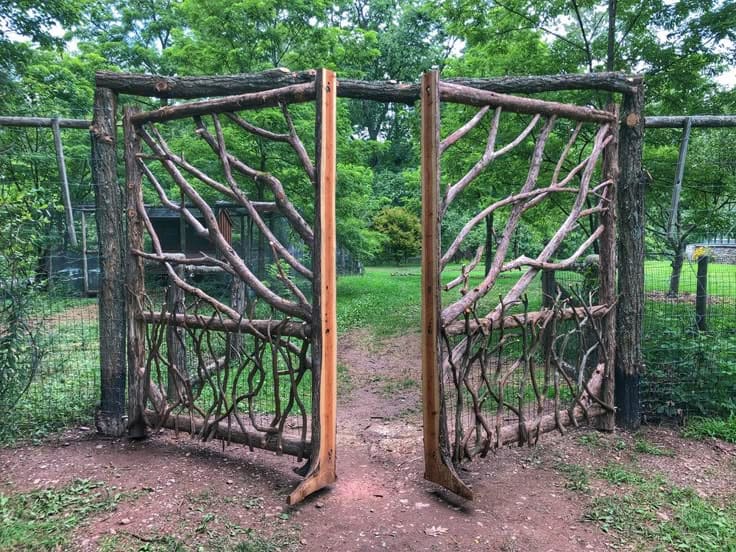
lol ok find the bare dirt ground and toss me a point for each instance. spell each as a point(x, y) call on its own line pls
point(209, 497)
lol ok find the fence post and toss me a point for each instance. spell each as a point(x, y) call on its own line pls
point(701, 298)
point(110, 416)
point(438, 466)
point(138, 379)
point(607, 279)
point(630, 250)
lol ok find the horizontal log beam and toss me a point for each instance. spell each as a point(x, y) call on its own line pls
point(699, 121)
point(232, 433)
point(508, 322)
point(382, 91)
point(272, 327)
point(296, 93)
point(519, 104)
point(40, 122)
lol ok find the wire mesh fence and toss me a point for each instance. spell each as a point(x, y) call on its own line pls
point(690, 356)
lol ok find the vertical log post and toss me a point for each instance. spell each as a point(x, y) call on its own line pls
point(701, 297)
point(630, 306)
point(607, 278)
point(175, 351)
point(438, 466)
point(65, 194)
point(134, 283)
point(324, 306)
point(85, 262)
point(110, 416)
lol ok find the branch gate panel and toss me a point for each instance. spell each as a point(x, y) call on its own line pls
point(503, 363)
point(220, 344)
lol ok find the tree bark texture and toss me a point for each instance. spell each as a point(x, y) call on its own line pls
point(630, 306)
point(382, 91)
point(109, 418)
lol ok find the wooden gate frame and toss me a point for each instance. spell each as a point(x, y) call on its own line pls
point(321, 467)
point(439, 467)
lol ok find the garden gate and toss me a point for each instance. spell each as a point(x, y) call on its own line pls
point(255, 365)
point(498, 372)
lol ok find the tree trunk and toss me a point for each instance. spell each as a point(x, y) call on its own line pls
point(677, 263)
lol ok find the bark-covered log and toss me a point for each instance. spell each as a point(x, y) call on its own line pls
point(111, 299)
point(700, 121)
point(42, 122)
point(515, 321)
point(382, 91)
point(270, 327)
point(630, 252)
point(138, 368)
point(270, 98)
point(517, 104)
point(232, 433)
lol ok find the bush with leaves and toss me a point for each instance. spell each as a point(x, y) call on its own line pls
point(401, 231)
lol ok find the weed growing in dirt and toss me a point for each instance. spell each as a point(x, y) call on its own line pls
point(392, 386)
point(658, 515)
point(576, 477)
point(719, 428)
point(643, 446)
point(45, 519)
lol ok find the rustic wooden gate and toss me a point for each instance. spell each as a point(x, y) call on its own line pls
point(255, 365)
point(507, 370)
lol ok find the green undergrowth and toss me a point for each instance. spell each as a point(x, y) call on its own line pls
point(645, 511)
point(718, 428)
point(651, 513)
point(45, 519)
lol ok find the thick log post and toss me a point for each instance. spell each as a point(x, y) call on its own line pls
point(134, 283)
point(110, 416)
point(438, 466)
point(630, 306)
point(607, 279)
point(322, 462)
point(701, 298)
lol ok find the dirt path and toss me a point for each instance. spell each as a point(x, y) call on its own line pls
point(204, 495)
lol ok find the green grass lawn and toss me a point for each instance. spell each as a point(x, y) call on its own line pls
point(387, 299)
point(721, 277)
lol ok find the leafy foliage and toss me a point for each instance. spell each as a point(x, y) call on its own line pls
point(402, 233)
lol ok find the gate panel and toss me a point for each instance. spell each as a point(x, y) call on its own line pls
point(508, 370)
point(222, 343)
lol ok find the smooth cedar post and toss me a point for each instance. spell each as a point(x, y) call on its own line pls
point(110, 416)
point(630, 305)
point(324, 305)
point(134, 283)
point(701, 298)
point(607, 277)
point(176, 354)
point(65, 195)
point(438, 466)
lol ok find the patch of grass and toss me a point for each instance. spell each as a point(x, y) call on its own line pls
point(576, 477)
point(618, 474)
point(45, 519)
point(644, 446)
point(656, 515)
point(392, 387)
point(718, 428)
